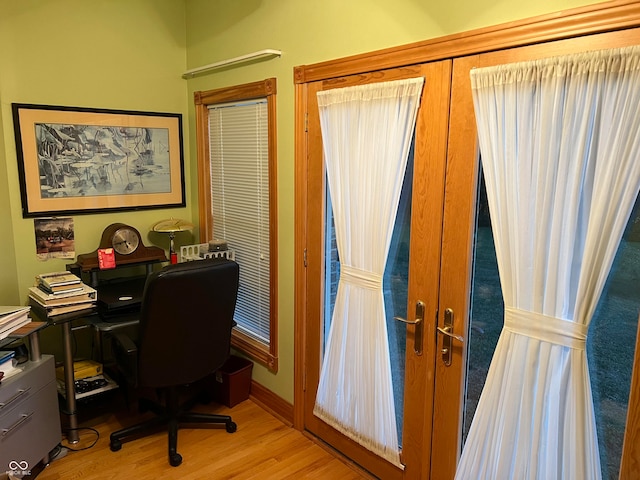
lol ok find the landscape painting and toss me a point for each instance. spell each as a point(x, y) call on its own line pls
point(77, 160)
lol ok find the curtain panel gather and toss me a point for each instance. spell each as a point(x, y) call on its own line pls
point(366, 135)
point(560, 146)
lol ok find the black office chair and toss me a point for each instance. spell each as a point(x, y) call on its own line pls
point(185, 335)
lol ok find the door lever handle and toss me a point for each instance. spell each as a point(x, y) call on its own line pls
point(447, 331)
point(448, 336)
point(408, 322)
point(419, 323)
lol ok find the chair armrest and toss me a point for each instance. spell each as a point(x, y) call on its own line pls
point(124, 344)
point(125, 353)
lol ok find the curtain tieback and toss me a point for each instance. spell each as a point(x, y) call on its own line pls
point(548, 329)
point(361, 278)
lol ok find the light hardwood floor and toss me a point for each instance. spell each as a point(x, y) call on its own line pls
point(262, 448)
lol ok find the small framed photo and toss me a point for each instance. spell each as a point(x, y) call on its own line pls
point(74, 160)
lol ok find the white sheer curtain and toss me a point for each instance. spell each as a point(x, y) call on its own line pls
point(560, 145)
point(366, 135)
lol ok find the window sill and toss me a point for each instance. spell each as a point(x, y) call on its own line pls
point(255, 350)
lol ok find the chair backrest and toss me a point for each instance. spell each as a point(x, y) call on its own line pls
point(185, 321)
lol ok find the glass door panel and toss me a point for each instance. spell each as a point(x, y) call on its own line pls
point(487, 309)
point(395, 286)
point(610, 345)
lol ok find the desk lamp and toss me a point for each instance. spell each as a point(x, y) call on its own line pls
point(171, 226)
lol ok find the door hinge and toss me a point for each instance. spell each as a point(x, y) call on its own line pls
point(304, 257)
point(306, 121)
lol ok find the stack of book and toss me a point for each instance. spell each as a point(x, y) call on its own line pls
point(12, 318)
point(61, 292)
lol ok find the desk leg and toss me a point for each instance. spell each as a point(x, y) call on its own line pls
point(69, 380)
point(34, 344)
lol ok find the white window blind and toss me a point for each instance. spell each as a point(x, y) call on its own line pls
point(238, 145)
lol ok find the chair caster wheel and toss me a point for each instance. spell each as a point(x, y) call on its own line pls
point(115, 445)
point(231, 427)
point(175, 459)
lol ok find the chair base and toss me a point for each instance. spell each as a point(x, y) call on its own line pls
point(173, 416)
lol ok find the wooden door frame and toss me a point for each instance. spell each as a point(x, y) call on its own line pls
point(579, 22)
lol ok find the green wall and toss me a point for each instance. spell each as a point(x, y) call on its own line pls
point(130, 54)
point(117, 54)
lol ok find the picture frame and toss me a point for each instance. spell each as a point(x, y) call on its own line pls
point(76, 160)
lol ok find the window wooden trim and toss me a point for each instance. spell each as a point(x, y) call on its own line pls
point(266, 355)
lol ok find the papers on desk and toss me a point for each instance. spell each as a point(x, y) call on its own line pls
point(8, 311)
point(12, 318)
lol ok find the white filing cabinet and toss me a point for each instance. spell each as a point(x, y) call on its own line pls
point(29, 417)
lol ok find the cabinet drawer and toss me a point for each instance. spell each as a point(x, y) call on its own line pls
point(30, 430)
point(20, 386)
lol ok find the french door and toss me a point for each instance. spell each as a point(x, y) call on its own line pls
point(440, 266)
point(469, 286)
point(419, 216)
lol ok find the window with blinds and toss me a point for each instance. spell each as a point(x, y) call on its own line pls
point(238, 143)
point(236, 170)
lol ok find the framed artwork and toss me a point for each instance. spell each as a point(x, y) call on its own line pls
point(74, 160)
